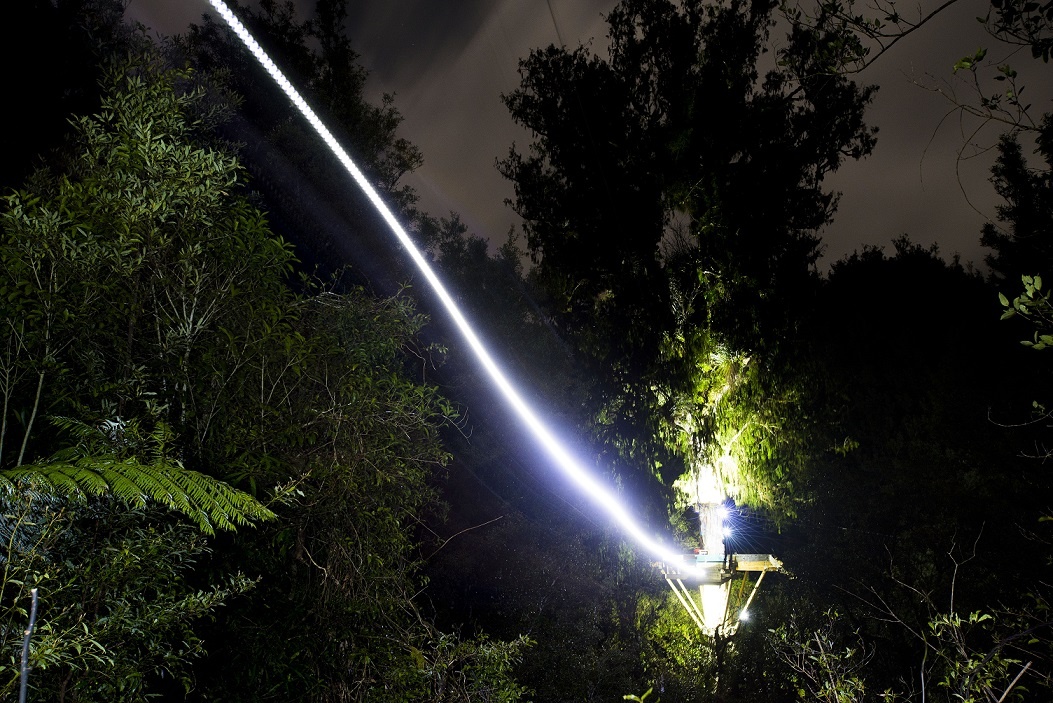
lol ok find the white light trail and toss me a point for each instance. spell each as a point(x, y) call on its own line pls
point(562, 458)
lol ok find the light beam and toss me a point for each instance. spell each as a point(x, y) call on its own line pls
point(563, 459)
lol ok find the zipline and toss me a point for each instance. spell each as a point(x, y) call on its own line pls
point(561, 456)
point(675, 566)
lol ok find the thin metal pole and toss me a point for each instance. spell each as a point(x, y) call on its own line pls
point(25, 648)
point(691, 600)
point(749, 600)
point(687, 607)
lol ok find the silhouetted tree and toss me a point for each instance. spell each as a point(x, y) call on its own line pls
point(1023, 243)
point(311, 199)
point(58, 47)
point(673, 197)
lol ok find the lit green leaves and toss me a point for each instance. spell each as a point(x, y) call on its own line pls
point(969, 63)
point(1034, 305)
point(102, 465)
point(208, 502)
point(119, 603)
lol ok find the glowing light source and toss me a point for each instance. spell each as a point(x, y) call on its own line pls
point(562, 458)
point(744, 615)
point(714, 599)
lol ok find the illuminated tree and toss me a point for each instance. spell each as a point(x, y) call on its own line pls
point(672, 198)
point(112, 273)
point(147, 302)
point(120, 604)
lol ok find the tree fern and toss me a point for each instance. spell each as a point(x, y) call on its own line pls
point(107, 460)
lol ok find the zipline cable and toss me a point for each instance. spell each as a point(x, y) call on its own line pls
point(559, 454)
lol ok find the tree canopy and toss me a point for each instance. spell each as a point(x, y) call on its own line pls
point(672, 197)
point(154, 339)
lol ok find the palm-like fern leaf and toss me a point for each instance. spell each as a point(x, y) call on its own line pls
point(93, 467)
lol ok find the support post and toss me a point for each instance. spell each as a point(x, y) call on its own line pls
point(25, 648)
point(687, 605)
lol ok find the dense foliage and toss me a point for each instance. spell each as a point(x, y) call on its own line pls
point(148, 312)
point(672, 199)
point(234, 476)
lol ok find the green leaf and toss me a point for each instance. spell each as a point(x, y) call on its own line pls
point(87, 470)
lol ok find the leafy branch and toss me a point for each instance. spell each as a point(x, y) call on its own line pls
point(101, 464)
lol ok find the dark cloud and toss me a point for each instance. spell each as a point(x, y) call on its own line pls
point(448, 87)
point(448, 71)
point(397, 38)
point(915, 183)
point(448, 62)
point(166, 17)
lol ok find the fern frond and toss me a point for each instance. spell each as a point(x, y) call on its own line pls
point(209, 502)
point(105, 461)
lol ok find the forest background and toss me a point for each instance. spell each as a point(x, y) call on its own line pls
point(244, 458)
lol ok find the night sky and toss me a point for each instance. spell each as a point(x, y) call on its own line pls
point(448, 63)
